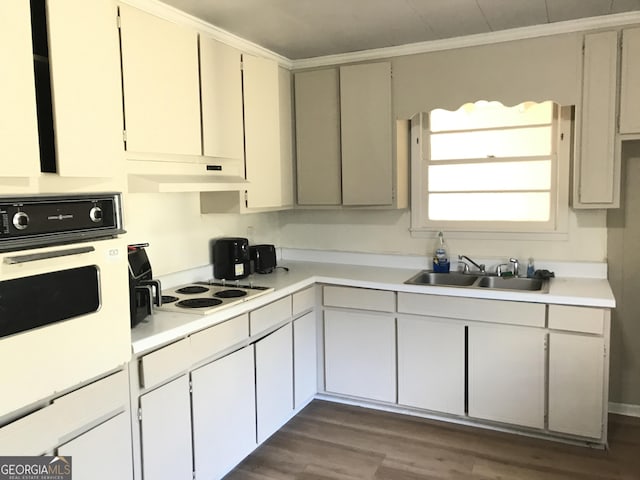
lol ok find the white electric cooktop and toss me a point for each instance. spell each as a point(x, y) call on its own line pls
point(203, 298)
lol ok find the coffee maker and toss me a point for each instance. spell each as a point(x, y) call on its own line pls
point(144, 291)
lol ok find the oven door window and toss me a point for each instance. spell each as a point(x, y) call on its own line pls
point(38, 300)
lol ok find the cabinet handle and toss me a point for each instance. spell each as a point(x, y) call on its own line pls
point(217, 168)
point(32, 257)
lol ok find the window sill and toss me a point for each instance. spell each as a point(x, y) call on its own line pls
point(488, 235)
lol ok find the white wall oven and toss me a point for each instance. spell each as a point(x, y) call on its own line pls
point(64, 298)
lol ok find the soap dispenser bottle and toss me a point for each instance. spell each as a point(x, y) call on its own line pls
point(530, 268)
point(440, 256)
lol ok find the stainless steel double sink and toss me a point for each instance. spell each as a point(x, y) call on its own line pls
point(469, 280)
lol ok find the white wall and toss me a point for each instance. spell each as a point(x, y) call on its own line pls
point(388, 232)
point(547, 68)
point(624, 277)
point(511, 72)
point(534, 69)
point(179, 235)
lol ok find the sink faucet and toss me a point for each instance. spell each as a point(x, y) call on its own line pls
point(464, 258)
point(515, 267)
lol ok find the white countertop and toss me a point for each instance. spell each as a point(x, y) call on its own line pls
point(164, 327)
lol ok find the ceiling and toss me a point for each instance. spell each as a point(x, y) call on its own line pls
point(299, 29)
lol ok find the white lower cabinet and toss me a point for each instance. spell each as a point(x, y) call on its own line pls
point(274, 381)
point(305, 359)
point(166, 432)
point(431, 364)
point(91, 424)
point(507, 374)
point(224, 413)
point(110, 441)
point(360, 355)
point(576, 384)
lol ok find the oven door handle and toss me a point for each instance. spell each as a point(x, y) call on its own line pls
point(32, 257)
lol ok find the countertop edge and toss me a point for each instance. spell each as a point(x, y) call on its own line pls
point(563, 291)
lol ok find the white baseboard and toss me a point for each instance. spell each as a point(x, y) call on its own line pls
point(627, 409)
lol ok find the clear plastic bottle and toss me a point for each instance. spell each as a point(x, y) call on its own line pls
point(440, 257)
point(530, 268)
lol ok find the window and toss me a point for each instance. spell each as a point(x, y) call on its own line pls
point(487, 167)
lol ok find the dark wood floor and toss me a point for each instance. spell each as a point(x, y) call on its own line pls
point(329, 441)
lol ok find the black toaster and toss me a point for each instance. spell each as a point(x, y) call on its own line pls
point(263, 258)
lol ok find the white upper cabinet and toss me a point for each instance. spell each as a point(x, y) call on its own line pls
point(262, 132)
point(268, 164)
point(161, 85)
point(630, 82)
point(344, 142)
point(597, 166)
point(18, 122)
point(365, 118)
point(221, 91)
point(86, 87)
point(285, 111)
point(317, 102)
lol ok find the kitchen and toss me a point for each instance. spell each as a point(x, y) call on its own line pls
point(179, 233)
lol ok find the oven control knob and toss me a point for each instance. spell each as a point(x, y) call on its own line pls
point(21, 220)
point(95, 214)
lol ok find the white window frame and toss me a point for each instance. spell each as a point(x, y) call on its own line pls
point(557, 225)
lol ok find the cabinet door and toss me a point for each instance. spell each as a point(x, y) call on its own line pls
point(166, 432)
point(262, 131)
point(597, 168)
point(274, 381)
point(18, 121)
point(431, 364)
point(630, 82)
point(305, 359)
point(86, 87)
point(161, 84)
point(317, 106)
point(110, 441)
point(576, 382)
point(224, 413)
point(286, 137)
point(221, 84)
point(365, 113)
point(507, 374)
point(360, 355)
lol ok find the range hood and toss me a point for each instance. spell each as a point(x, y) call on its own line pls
point(165, 174)
point(139, 183)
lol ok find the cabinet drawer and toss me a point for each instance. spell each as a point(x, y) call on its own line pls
point(576, 319)
point(90, 403)
point(497, 311)
point(303, 300)
point(46, 428)
point(164, 363)
point(31, 435)
point(219, 337)
point(269, 315)
point(361, 298)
